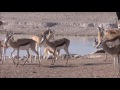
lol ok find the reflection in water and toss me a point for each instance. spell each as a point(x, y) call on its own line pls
point(78, 45)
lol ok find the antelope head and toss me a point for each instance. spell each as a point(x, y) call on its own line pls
point(95, 42)
point(100, 36)
point(9, 36)
point(45, 34)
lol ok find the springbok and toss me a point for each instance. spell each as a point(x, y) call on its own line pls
point(21, 44)
point(3, 48)
point(38, 40)
point(111, 37)
point(100, 47)
point(100, 35)
point(57, 45)
point(115, 51)
point(49, 51)
point(108, 34)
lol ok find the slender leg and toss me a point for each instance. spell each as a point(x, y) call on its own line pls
point(118, 65)
point(114, 65)
point(33, 49)
point(105, 56)
point(18, 56)
point(39, 52)
point(66, 50)
point(12, 56)
point(30, 54)
point(27, 58)
point(53, 60)
point(4, 53)
point(55, 56)
point(1, 53)
point(58, 53)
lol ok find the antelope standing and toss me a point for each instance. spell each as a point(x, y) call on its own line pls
point(2, 51)
point(113, 37)
point(21, 44)
point(109, 34)
point(99, 39)
point(57, 45)
point(3, 48)
point(39, 44)
point(115, 51)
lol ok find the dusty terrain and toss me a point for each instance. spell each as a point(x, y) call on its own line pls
point(64, 23)
point(76, 68)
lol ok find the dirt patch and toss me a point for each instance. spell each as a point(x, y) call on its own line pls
point(63, 23)
point(76, 68)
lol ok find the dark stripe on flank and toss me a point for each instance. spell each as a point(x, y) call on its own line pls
point(112, 32)
point(25, 44)
point(60, 44)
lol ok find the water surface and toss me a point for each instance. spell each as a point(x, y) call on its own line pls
point(78, 45)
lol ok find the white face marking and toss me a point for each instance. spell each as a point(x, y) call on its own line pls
point(42, 40)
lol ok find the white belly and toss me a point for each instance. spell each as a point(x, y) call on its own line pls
point(116, 42)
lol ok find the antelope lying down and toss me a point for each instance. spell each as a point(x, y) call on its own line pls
point(21, 44)
point(49, 51)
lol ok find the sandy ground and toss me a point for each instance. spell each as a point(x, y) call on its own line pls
point(76, 68)
point(72, 23)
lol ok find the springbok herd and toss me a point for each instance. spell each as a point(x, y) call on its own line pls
point(109, 39)
point(34, 44)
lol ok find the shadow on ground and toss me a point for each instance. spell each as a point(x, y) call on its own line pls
point(88, 64)
point(60, 66)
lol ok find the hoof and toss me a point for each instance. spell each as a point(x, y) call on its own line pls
point(17, 65)
point(104, 60)
point(23, 64)
point(118, 74)
point(39, 64)
point(52, 63)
